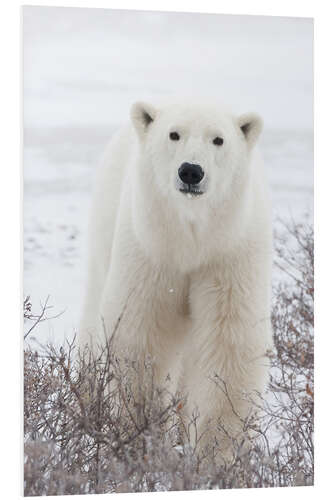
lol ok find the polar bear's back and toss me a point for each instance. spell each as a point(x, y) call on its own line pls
point(108, 184)
point(105, 204)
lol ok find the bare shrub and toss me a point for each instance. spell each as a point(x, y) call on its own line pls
point(34, 319)
point(292, 379)
point(86, 432)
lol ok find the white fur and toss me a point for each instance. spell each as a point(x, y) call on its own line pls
point(191, 277)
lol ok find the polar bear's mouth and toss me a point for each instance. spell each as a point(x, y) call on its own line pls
point(190, 190)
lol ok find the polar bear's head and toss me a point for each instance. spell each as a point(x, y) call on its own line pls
point(194, 152)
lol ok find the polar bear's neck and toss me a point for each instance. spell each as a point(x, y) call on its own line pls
point(173, 238)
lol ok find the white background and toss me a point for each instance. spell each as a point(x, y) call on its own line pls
point(11, 365)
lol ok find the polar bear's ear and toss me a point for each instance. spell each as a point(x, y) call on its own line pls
point(142, 115)
point(251, 125)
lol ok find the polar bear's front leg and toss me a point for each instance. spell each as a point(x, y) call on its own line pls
point(143, 317)
point(227, 346)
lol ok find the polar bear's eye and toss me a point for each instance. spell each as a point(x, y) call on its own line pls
point(218, 141)
point(174, 136)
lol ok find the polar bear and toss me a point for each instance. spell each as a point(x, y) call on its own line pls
point(181, 250)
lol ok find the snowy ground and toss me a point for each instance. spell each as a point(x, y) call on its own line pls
point(82, 70)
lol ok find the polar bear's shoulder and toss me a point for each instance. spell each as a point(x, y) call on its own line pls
point(121, 143)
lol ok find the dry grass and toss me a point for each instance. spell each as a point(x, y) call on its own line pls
point(85, 432)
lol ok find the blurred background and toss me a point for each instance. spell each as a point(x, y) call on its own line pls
point(82, 69)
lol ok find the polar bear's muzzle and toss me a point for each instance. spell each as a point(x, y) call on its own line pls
point(190, 176)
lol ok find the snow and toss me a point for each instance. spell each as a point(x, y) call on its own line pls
point(82, 70)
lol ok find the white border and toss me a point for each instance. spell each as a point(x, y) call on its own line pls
point(10, 199)
point(255, 7)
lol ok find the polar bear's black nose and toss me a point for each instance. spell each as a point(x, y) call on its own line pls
point(190, 173)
